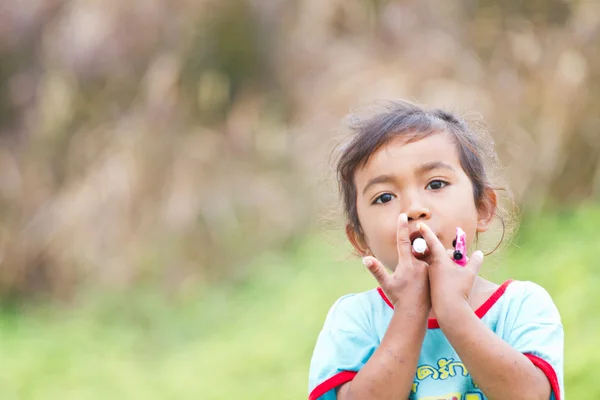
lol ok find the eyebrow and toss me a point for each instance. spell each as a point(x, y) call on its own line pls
point(434, 165)
point(422, 169)
point(376, 180)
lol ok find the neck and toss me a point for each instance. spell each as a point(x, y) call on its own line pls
point(482, 290)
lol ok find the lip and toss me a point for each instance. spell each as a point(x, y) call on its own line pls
point(413, 235)
point(421, 256)
point(416, 234)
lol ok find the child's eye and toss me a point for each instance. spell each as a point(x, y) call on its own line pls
point(384, 198)
point(436, 185)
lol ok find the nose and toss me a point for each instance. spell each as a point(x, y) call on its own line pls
point(416, 209)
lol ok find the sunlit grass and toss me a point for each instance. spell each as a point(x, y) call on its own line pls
point(253, 339)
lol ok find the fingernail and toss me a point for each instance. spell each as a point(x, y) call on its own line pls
point(419, 226)
point(366, 261)
point(403, 217)
point(478, 254)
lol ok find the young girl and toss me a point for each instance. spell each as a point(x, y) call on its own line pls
point(433, 329)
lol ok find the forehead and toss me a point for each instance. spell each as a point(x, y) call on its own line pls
point(399, 156)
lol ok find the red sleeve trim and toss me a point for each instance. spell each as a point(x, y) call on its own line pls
point(432, 323)
point(485, 307)
point(549, 371)
point(331, 383)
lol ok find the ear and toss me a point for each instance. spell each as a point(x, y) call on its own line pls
point(486, 209)
point(358, 241)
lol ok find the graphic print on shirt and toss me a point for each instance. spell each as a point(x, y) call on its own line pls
point(455, 396)
point(446, 368)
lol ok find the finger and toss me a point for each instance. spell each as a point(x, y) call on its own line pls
point(403, 244)
point(475, 262)
point(436, 247)
point(377, 270)
point(451, 252)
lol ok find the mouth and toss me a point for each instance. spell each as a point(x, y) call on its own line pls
point(419, 247)
point(415, 235)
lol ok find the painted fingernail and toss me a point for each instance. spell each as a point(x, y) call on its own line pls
point(403, 217)
point(478, 254)
point(366, 262)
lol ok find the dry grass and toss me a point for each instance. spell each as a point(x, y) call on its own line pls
point(161, 142)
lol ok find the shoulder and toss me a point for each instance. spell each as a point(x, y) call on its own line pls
point(355, 308)
point(528, 298)
point(522, 291)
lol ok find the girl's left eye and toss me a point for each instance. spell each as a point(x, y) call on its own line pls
point(384, 198)
point(436, 185)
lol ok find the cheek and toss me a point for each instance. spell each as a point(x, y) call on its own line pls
point(461, 212)
point(379, 226)
point(467, 220)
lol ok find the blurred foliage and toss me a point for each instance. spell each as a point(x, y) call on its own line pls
point(167, 143)
point(253, 339)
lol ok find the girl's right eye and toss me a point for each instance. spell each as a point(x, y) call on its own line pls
point(384, 198)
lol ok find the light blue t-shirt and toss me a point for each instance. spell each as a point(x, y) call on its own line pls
point(521, 313)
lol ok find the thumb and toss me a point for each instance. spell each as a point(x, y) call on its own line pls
point(475, 262)
point(377, 270)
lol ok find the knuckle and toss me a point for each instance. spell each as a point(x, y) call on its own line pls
point(470, 272)
point(404, 241)
point(378, 273)
point(399, 284)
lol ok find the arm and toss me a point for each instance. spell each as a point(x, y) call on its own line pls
point(498, 366)
point(500, 371)
point(390, 372)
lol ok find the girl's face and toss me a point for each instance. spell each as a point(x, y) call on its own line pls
point(425, 180)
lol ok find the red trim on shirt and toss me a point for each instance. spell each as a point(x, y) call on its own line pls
point(432, 323)
point(549, 371)
point(331, 383)
point(384, 297)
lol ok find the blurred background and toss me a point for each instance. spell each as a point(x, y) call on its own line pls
point(169, 222)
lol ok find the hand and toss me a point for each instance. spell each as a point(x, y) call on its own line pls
point(409, 283)
point(450, 283)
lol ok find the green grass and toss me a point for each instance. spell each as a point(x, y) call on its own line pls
point(253, 339)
